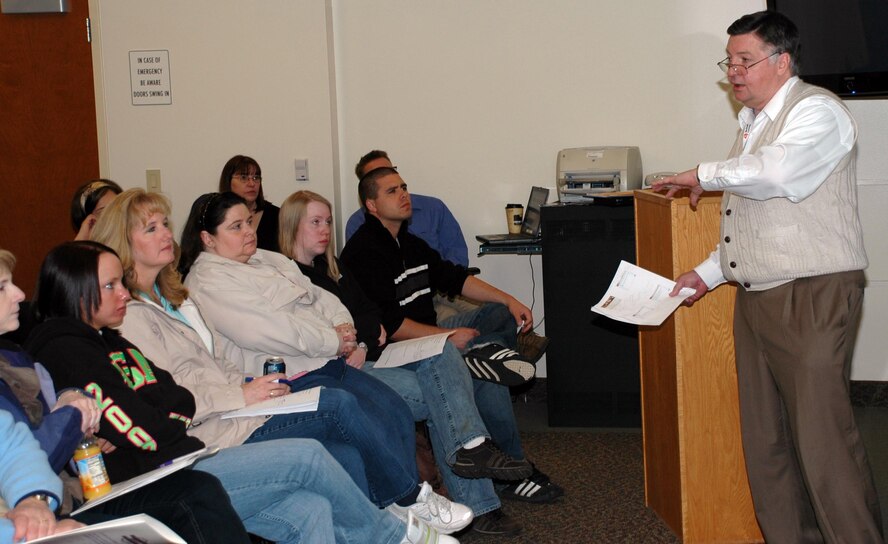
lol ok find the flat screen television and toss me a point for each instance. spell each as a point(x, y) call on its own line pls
point(844, 44)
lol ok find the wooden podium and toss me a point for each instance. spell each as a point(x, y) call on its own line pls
point(695, 477)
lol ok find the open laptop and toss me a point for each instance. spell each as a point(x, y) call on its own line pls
point(530, 226)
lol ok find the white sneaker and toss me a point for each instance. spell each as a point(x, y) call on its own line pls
point(438, 512)
point(418, 532)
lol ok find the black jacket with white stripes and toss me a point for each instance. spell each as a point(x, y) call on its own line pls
point(401, 275)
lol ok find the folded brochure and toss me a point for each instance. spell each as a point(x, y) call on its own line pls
point(140, 528)
point(300, 401)
point(639, 296)
point(142, 480)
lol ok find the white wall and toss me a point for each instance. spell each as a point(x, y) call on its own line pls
point(472, 98)
point(247, 78)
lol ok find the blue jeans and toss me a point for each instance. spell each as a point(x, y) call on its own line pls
point(494, 402)
point(378, 423)
point(291, 491)
point(439, 389)
point(492, 320)
point(338, 424)
point(190, 502)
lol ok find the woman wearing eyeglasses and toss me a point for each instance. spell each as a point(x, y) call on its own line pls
point(242, 175)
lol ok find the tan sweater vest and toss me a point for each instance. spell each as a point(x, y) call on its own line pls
point(765, 243)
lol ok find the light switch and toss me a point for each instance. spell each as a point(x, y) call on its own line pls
point(152, 177)
point(302, 170)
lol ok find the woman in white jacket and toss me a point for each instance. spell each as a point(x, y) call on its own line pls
point(173, 333)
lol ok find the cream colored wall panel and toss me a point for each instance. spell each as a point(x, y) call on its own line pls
point(872, 140)
point(248, 77)
point(873, 202)
point(871, 352)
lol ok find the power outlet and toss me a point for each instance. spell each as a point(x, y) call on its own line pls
point(152, 178)
point(302, 170)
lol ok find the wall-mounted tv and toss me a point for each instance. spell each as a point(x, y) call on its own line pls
point(844, 44)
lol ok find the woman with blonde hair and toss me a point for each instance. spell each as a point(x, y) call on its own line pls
point(465, 417)
point(175, 335)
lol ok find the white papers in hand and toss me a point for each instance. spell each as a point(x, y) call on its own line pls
point(639, 296)
point(140, 528)
point(142, 480)
point(409, 351)
point(300, 401)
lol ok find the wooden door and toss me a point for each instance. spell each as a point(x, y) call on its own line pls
point(48, 141)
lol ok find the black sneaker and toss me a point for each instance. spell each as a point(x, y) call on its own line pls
point(536, 489)
point(488, 461)
point(498, 364)
point(496, 522)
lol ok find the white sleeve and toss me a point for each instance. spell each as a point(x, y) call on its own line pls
point(710, 270)
point(818, 133)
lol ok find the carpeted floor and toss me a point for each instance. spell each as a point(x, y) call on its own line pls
point(602, 474)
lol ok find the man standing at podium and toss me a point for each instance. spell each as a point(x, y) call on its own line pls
point(792, 241)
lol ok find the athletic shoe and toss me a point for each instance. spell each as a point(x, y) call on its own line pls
point(497, 523)
point(439, 513)
point(488, 461)
point(536, 489)
point(498, 364)
point(418, 532)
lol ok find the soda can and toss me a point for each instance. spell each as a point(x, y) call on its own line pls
point(274, 365)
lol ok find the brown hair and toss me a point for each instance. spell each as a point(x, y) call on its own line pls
point(292, 211)
point(241, 164)
point(128, 211)
point(370, 156)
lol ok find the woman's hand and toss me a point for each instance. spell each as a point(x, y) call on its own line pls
point(348, 339)
point(32, 519)
point(357, 358)
point(105, 446)
point(90, 413)
point(86, 227)
point(264, 387)
point(65, 525)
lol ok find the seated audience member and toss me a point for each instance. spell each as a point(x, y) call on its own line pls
point(192, 503)
point(400, 272)
point(242, 176)
point(88, 203)
point(286, 490)
point(438, 389)
point(262, 305)
point(431, 221)
point(28, 486)
point(163, 319)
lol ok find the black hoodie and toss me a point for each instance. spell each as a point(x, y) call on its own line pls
point(144, 413)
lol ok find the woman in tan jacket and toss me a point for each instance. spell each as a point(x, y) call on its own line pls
point(174, 334)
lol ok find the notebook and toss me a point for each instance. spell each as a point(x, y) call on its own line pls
point(530, 226)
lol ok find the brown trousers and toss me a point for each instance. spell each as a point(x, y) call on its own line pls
point(807, 467)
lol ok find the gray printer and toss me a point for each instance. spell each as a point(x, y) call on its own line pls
point(582, 171)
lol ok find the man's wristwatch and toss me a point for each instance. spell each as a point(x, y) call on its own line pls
point(363, 346)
